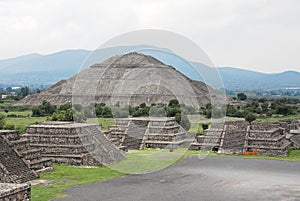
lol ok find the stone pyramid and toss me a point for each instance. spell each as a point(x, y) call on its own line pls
point(129, 79)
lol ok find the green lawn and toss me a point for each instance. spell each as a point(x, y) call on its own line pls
point(277, 119)
point(104, 122)
point(19, 114)
point(22, 123)
point(148, 160)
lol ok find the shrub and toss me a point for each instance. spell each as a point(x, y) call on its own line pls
point(9, 126)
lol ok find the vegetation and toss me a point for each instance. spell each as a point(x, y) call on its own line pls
point(257, 108)
point(22, 123)
point(241, 96)
point(77, 113)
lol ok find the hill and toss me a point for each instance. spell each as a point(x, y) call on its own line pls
point(36, 69)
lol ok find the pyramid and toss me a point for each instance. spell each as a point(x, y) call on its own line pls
point(129, 79)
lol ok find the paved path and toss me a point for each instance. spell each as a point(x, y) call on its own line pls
point(210, 179)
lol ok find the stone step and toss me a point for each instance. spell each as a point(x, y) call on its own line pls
point(40, 164)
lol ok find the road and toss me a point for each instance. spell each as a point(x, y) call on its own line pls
point(194, 179)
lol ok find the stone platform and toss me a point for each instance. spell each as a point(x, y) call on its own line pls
point(77, 144)
point(239, 137)
point(153, 132)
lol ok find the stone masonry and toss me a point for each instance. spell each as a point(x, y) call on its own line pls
point(237, 137)
point(139, 133)
point(75, 144)
point(13, 167)
point(14, 192)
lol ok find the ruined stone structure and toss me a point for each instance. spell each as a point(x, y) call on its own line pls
point(139, 133)
point(13, 167)
point(129, 79)
point(14, 192)
point(237, 137)
point(73, 144)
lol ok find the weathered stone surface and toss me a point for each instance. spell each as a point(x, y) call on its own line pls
point(13, 168)
point(237, 137)
point(76, 144)
point(129, 79)
point(139, 133)
point(16, 192)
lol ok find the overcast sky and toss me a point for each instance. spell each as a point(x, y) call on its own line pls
point(261, 35)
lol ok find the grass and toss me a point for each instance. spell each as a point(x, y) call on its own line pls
point(22, 123)
point(148, 160)
point(19, 114)
point(104, 122)
point(278, 118)
point(65, 177)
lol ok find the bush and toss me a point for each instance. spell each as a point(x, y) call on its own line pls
point(183, 121)
point(9, 126)
point(2, 121)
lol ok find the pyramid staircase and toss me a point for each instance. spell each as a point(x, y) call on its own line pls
point(13, 168)
point(211, 140)
point(165, 134)
point(72, 143)
point(140, 133)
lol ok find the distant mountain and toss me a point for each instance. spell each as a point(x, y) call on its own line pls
point(235, 78)
point(36, 69)
point(41, 69)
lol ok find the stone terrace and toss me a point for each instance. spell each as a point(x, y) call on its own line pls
point(139, 133)
point(13, 168)
point(73, 143)
point(237, 137)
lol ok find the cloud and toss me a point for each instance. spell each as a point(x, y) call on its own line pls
point(255, 34)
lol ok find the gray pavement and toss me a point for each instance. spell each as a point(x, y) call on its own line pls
point(211, 179)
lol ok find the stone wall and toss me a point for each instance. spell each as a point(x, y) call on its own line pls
point(73, 144)
point(154, 132)
point(237, 137)
point(15, 192)
point(13, 168)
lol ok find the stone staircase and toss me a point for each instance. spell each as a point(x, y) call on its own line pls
point(33, 156)
point(165, 134)
point(209, 141)
point(72, 143)
point(268, 142)
point(140, 133)
point(104, 151)
point(13, 168)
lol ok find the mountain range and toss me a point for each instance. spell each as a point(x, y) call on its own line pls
point(36, 69)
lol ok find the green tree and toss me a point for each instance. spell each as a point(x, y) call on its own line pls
point(250, 117)
point(24, 91)
point(173, 103)
point(242, 96)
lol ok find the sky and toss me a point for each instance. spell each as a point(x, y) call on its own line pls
point(260, 35)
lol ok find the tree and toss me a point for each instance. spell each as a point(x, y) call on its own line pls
point(24, 91)
point(173, 103)
point(242, 96)
point(45, 109)
point(183, 121)
point(250, 117)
